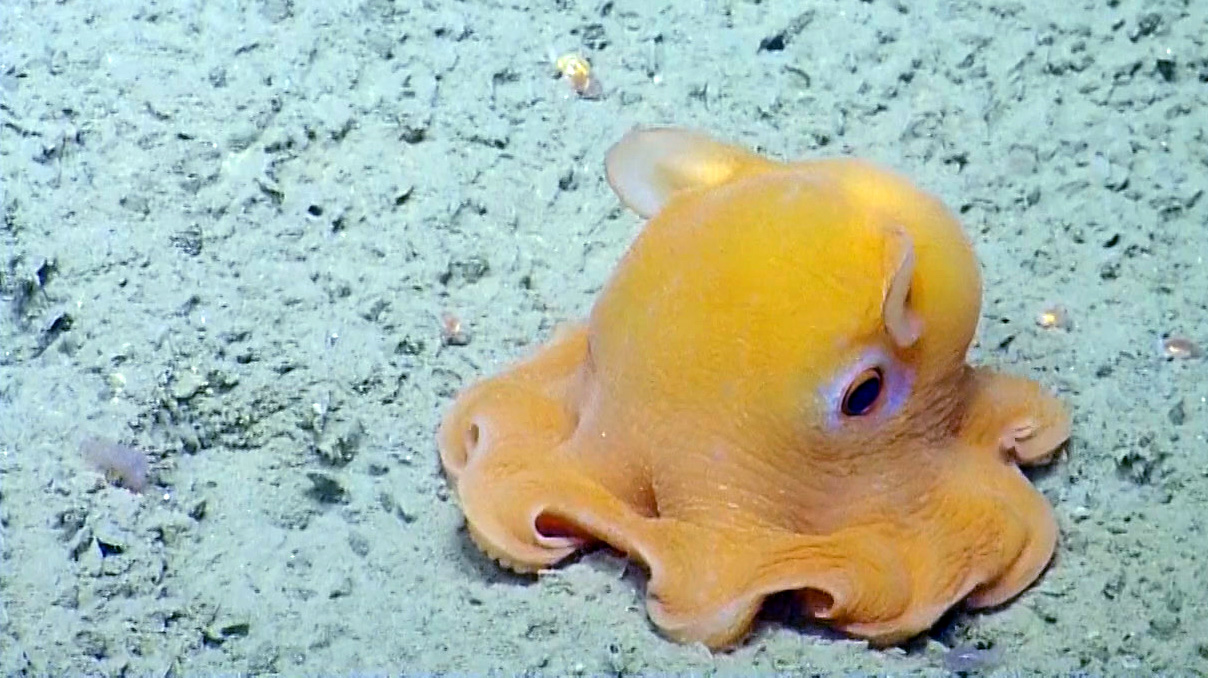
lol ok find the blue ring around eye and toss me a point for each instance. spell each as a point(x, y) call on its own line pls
point(896, 384)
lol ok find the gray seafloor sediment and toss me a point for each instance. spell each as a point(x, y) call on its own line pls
point(231, 232)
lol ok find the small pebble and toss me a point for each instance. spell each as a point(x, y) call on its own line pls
point(452, 332)
point(1181, 348)
point(1054, 318)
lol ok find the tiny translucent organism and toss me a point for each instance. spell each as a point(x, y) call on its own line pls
point(122, 465)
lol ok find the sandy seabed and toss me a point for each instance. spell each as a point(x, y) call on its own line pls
point(231, 232)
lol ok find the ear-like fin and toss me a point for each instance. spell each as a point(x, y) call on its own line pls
point(647, 166)
point(903, 324)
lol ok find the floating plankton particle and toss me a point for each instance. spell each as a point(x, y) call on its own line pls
point(576, 71)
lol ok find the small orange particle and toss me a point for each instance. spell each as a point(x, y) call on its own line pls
point(576, 71)
point(1181, 348)
point(1054, 318)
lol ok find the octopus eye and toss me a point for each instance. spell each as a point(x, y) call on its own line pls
point(863, 392)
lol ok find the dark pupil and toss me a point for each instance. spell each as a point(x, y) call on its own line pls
point(860, 399)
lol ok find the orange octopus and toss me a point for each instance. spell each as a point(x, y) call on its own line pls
point(770, 395)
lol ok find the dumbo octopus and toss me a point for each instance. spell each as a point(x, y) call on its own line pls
point(770, 395)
